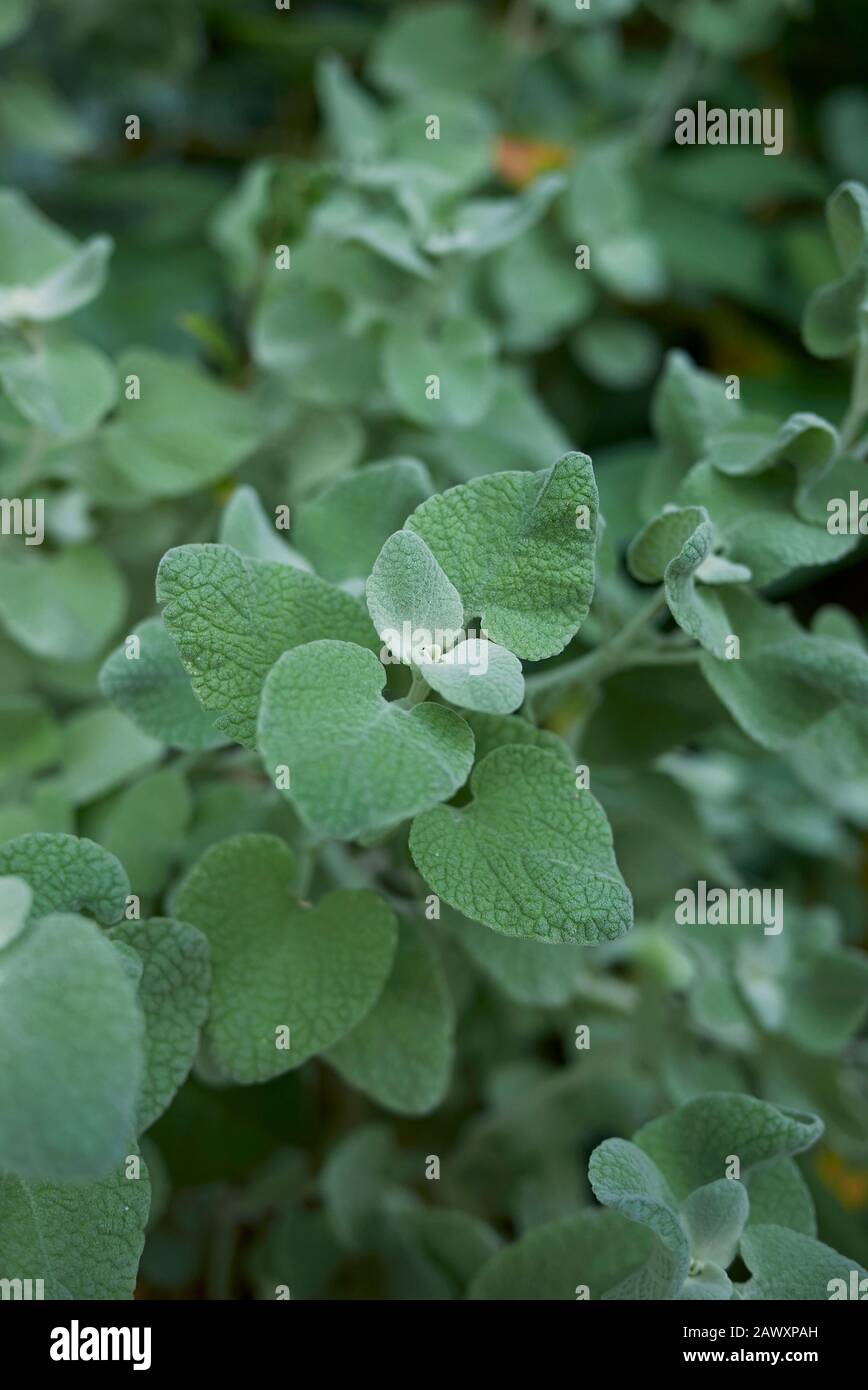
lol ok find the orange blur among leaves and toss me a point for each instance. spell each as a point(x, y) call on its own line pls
point(518, 160)
point(850, 1185)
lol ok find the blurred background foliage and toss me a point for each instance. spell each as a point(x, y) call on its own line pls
point(262, 127)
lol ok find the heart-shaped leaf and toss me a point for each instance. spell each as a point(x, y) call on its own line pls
point(412, 604)
point(529, 855)
point(231, 617)
point(289, 979)
point(357, 763)
point(401, 1054)
point(519, 548)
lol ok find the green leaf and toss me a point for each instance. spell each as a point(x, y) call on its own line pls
point(787, 1265)
point(15, 16)
point(477, 675)
point(297, 324)
point(29, 734)
point(65, 606)
point(619, 353)
point(144, 826)
point(173, 996)
point(231, 618)
point(826, 1000)
point(662, 539)
point(834, 321)
point(46, 273)
point(807, 442)
point(594, 1249)
point(154, 691)
point(462, 151)
point(101, 751)
point(343, 528)
point(680, 542)
point(353, 120)
point(482, 225)
point(538, 289)
point(691, 1146)
point(351, 218)
point(687, 405)
point(755, 521)
point(624, 1178)
point(360, 1170)
point(714, 1217)
point(16, 901)
point(517, 432)
point(83, 1239)
point(495, 730)
point(527, 971)
point(246, 525)
point(67, 874)
point(529, 855)
point(37, 119)
point(460, 357)
point(511, 545)
point(440, 1251)
point(65, 388)
point(235, 224)
point(418, 614)
point(601, 209)
point(743, 27)
point(356, 763)
point(637, 720)
point(778, 1190)
point(709, 1283)
point(785, 680)
point(408, 587)
point(443, 48)
point(72, 1037)
point(401, 1054)
point(278, 963)
point(183, 432)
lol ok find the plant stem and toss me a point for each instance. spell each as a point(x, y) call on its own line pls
point(419, 691)
point(850, 426)
point(852, 422)
point(610, 656)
